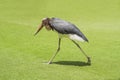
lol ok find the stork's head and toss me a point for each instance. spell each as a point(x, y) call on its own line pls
point(45, 22)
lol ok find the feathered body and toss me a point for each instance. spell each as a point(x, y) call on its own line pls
point(66, 28)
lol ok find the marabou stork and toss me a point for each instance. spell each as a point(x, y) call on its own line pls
point(64, 29)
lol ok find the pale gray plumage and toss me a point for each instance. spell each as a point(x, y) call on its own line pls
point(65, 27)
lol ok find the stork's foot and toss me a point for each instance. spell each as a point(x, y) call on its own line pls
point(49, 62)
point(89, 61)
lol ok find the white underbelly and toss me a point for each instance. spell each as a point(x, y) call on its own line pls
point(72, 37)
point(76, 37)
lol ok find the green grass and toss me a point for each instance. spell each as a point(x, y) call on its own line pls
point(24, 57)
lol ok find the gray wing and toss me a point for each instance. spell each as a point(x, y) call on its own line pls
point(65, 27)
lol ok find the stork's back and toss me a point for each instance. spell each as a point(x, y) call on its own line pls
point(64, 27)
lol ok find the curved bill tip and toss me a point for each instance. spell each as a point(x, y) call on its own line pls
point(35, 34)
point(39, 28)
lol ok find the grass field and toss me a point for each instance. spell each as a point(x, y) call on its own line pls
point(24, 57)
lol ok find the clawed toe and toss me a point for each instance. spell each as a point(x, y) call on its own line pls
point(89, 61)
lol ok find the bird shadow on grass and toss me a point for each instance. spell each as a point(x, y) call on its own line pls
point(72, 63)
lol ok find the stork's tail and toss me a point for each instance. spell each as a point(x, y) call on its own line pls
point(85, 39)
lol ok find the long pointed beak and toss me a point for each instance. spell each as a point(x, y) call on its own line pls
point(39, 28)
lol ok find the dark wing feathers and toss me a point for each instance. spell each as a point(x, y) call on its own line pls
point(65, 27)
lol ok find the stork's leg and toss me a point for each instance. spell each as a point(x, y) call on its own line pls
point(89, 61)
point(56, 52)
